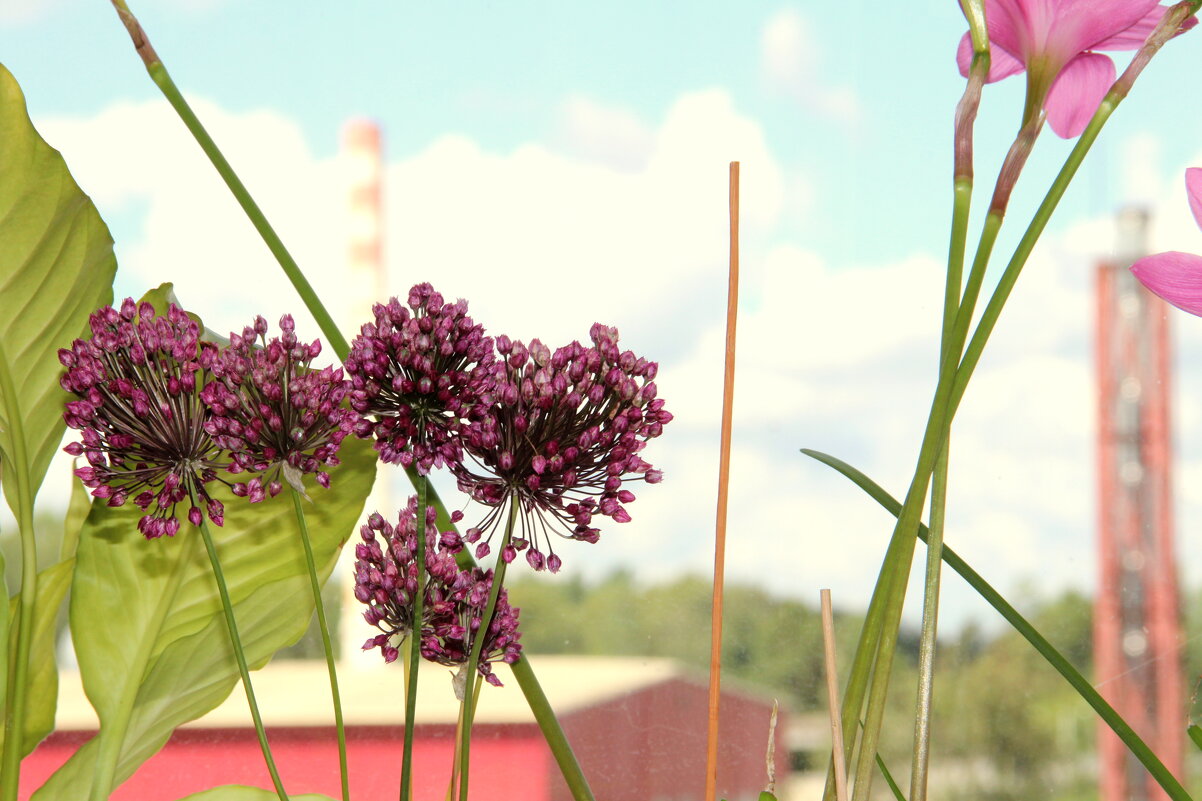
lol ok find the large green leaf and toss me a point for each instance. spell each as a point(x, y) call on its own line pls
point(43, 670)
point(56, 267)
point(147, 624)
point(239, 792)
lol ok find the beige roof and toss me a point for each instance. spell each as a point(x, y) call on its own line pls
point(296, 693)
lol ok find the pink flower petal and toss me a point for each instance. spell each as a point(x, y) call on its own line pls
point(1193, 188)
point(1174, 276)
point(1001, 63)
point(1081, 25)
point(1133, 37)
point(1076, 93)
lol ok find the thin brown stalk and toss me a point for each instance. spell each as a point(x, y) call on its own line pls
point(728, 395)
point(832, 694)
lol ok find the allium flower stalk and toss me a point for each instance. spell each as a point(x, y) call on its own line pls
point(386, 580)
point(277, 417)
point(415, 373)
point(560, 437)
point(138, 382)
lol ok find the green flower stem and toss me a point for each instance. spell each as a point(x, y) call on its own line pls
point(236, 642)
point(415, 637)
point(927, 642)
point(326, 645)
point(1107, 713)
point(466, 716)
point(881, 633)
point(962, 185)
point(544, 715)
point(974, 12)
point(557, 741)
point(329, 330)
point(158, 73)
point(1043, 214)
point(16, 690)
point(861, 667)
point(473, 661)
point(911, 509)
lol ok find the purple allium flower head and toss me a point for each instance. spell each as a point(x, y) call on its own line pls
point(273, 412)
point(454, 601)
point(561, 436)
point(415, 372)
point(137, 384)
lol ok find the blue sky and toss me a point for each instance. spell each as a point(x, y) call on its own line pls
point(558, 163)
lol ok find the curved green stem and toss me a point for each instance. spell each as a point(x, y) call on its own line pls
point(478, 645)
point(544, 715)
point(326, 645)
point(1107, 713)
point(236, 642)
point(557, 741)
point(927, 640)
point(303, 288)
point(16, 691)
point(158, 73)
point(993, 309)
point(415, 638)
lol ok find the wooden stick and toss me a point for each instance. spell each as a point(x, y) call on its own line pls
point(832, 694)
point(728, 394)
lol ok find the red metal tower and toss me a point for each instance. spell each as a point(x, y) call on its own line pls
point(1136, 619)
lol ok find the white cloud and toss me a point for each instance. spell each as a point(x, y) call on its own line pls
point(15, 13)
point(612, 136)
point(543, 245)
point(791, 61)
point(835, 357)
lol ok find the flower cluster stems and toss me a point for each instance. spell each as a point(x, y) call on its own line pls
point(326, 645)
point(544, 715)
point(240, 656)
point(415, 641)
point(16, 695)
point(465, 717)
point(478, 639)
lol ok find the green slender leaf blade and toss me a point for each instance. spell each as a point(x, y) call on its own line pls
point(147, 624)
point(43, 667)
point(1167, 781)
point(56, 268)
point(1195, 734)
point(893, 788)
point(238, 792)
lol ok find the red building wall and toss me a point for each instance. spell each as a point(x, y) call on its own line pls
point(648, 745)
point(651, 745)
point(509, 762)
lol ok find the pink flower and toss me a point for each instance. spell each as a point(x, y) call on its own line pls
point(1055, 42)
point(1174, 276)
